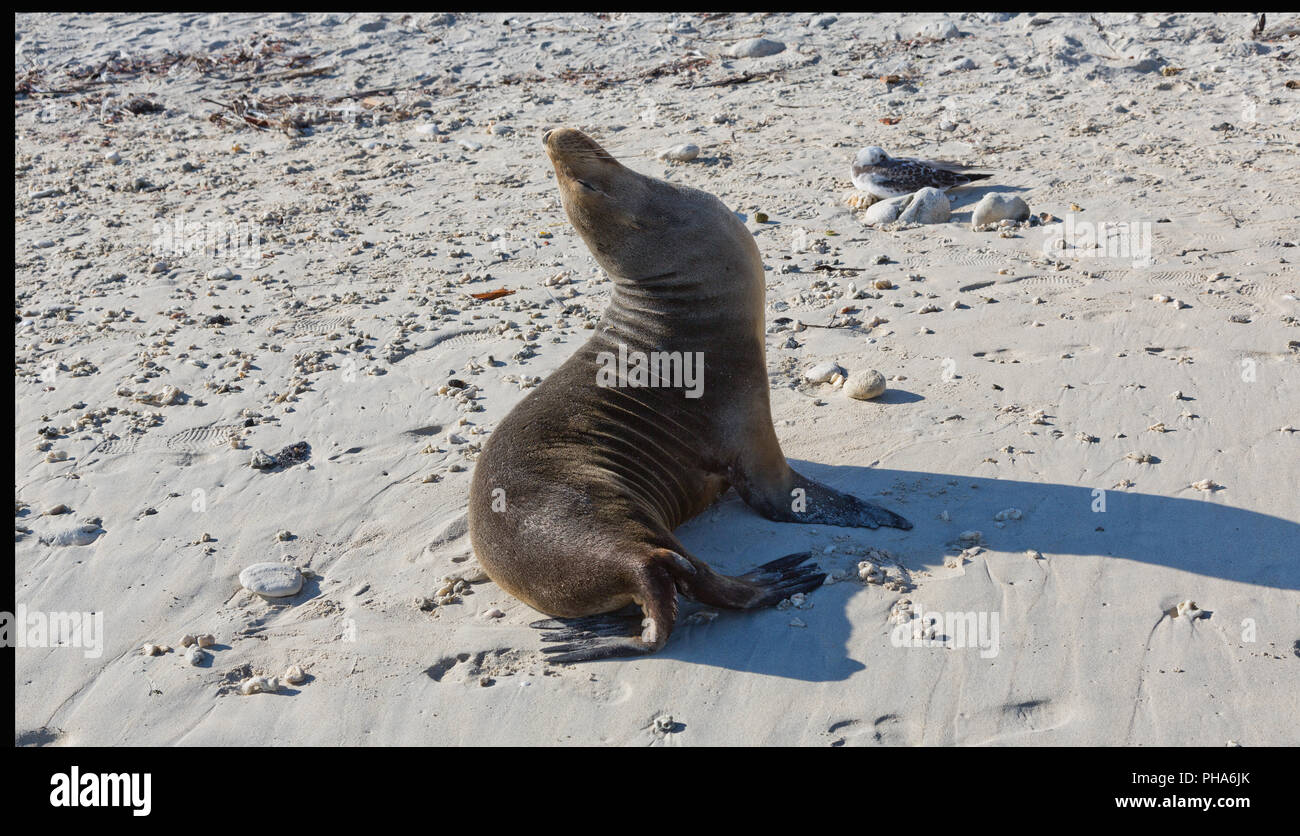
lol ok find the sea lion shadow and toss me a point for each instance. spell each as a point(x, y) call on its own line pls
point(1193, 533)
point(1196, 534)
point(768, 642)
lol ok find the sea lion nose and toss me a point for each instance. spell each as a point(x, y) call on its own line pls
point(546, 134)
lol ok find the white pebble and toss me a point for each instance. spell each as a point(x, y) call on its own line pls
point(865, 385)
point(680, 153)
point(272, 580)
point(823, 372)
point(259, 685)
point(755, 48)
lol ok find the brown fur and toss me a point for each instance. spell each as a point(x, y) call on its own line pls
point(596, 478)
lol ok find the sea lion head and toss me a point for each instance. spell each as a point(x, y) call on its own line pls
point(636, 226)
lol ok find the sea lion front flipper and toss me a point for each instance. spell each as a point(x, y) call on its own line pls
point(830, 507)
point(795, 498)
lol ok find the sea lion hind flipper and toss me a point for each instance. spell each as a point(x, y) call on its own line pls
point(779, 579)
point(620, 622)
point(593, 648)
point(765, 586)
point(632, 631)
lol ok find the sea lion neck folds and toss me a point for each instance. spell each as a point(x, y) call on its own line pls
point(680, 260)
point(577, 491)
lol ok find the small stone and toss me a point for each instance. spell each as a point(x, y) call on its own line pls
point(927, 206)
point(294, 675)
point(885, 211)
point(939, 29)
point(823, 372)
point(271, 580)
point(995, 207)
point(259, 685)
point(865, 384)
point(755, 48)
point(685, 152)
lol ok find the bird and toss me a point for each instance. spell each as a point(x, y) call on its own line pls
point(884, 176)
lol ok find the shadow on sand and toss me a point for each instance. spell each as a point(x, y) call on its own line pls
point(1196, 533)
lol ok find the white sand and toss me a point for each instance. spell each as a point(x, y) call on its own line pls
point(1086, 654)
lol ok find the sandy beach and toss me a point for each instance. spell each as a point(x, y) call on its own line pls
point(279, 277)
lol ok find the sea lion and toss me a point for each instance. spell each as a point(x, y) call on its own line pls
point(576, 494)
